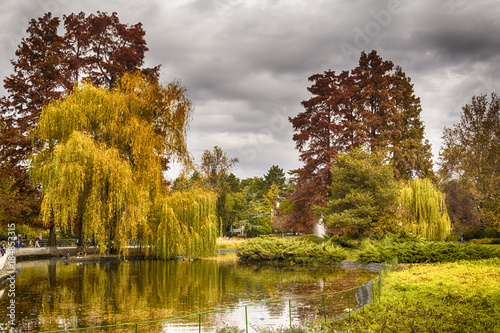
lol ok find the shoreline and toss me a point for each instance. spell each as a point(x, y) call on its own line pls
point(71, 254)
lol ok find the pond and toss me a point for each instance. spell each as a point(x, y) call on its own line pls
point(52, 294)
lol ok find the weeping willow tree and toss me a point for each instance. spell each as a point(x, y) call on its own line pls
point(425, 209)
point(99, 160)
point(185, 223)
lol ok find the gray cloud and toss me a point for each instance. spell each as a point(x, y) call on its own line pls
point(246, 63)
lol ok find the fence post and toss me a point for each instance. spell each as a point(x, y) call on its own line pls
point(349, 303)
point(246, 319)
point(324, 307)
point(290, 310)
point(199, 322)
point(379, 285)
point(136, 327)
point(363, 298)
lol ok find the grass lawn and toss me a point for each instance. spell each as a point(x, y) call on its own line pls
point(461, 296)
point(448, 297)
point(224, 243)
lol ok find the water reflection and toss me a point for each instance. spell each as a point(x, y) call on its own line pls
point(55, 295)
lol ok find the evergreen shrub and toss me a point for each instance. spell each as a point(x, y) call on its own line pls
point(289, 251)
point(486, 241)
point(416, 249)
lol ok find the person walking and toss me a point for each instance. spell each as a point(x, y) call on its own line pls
point(36, 241)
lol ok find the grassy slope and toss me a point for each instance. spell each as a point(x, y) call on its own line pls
point(452, 297)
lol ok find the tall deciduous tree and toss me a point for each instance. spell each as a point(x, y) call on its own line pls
point(48, 62)
point(470, 154)
point(183, 223)
point(461, 206)
point(411, 152)
point(100, 156)
point(215, 167)
point(373, 105)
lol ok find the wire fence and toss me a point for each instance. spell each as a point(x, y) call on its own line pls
point(326, 307)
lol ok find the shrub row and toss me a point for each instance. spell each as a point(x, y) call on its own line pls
point(289, 251)
point(486, 241)
point(410, 249)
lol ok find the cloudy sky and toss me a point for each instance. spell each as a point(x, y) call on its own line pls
point(246, 62)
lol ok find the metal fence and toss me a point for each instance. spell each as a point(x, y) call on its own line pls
point(356, 297)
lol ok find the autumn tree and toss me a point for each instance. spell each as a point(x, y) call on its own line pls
point(49, 61)
point(461, 206)
point(34, 83)
point(215, 167)
point(183, 223)
point(363, 194)
point(372, 106)
point(470, 155)
point(424, 209)
point(411, 152)
point(100, 154)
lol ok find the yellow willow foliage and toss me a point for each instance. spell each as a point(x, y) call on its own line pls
point(425, 209)
point(185, 223)
point(87, 181)
point(100, 155)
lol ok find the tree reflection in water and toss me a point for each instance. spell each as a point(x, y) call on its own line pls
point(54, 295)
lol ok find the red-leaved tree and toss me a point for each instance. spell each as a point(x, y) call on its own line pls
point(372, 105)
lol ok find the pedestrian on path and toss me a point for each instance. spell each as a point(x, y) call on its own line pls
point(36, 241)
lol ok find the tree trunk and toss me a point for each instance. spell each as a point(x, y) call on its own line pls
point(81, 236)
point(52, 242)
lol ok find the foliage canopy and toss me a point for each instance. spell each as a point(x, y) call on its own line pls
point(363, 194)
point(373, 105)
point(56, 54)
point(100, 159)
point(424, 209)
point(470, 155)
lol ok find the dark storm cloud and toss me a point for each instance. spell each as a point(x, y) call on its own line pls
point(246, 63)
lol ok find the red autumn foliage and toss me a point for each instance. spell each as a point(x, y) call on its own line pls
point(97, 47)
point(372, 105)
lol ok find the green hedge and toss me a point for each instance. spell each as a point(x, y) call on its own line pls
point(486, 241)
point(289, 251)
point(415, 249)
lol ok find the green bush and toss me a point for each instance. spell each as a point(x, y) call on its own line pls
point(344, 241)
point(289, 251)
point(415, 249)
point(455, 237)
point(486, 241)
point(311, 239)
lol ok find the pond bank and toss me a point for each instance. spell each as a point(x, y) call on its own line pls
point(72, 254)
point(349, 264)
point(165, 289)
